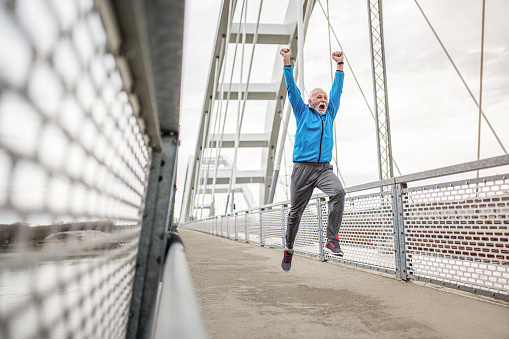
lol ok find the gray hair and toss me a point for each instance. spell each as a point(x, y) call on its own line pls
point(313, 91)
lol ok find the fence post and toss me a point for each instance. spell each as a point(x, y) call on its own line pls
point(227, 229)
point(399, 234)
point(320, 229)
point(283, 239)
point(245, 225)
point(221, 227)
point(261, 223)
point(153, 238)
point(235, 225)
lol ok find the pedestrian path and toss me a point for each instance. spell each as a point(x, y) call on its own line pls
point(244, 293)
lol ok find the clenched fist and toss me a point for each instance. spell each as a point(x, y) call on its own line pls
point(337, 56)
point(286, 53)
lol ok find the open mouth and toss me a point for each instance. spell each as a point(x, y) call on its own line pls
point(321, 106)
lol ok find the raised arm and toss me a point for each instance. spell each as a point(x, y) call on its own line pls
point(337, 85)
point(294, 95)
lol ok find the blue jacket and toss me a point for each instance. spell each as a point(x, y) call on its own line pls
point(314, 137)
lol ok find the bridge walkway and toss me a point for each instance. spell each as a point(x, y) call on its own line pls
point(244, 293)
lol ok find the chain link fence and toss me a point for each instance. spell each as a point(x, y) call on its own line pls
point(454, 233)
point(73, 174)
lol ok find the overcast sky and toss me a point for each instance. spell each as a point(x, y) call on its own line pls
point(434, 120)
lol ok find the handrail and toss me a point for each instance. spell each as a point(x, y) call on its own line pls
point(435, 173)
point(428, 174)
point(177, 314)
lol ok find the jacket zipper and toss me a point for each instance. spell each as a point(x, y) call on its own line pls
point(321, 137)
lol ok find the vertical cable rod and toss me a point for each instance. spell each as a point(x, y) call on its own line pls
point(220, 145)
point(233, 177)
point(480, 86)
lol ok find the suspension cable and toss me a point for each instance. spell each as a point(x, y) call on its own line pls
point(240, 114)
point(461, 77)
point(220, 145)
point(347, 63)
point(332, 79)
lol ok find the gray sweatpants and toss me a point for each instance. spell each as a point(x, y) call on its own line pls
point(305, 177)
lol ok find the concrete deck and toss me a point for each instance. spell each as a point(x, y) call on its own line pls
point(244, 293)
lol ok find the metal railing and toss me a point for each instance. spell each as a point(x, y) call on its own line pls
point(177, 314)
point(451, 233)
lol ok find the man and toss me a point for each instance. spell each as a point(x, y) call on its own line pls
point(312, 153)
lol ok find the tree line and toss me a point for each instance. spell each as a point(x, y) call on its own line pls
point(11, 234)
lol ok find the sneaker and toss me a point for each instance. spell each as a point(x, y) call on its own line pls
point(332, 246)
point(287, 260)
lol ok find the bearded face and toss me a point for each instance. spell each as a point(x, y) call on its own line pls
point(318, 101)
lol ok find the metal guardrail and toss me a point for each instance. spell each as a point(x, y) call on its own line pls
point(452, 233)
point(178, 313)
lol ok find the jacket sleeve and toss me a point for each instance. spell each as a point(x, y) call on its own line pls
point(294, 95)
point(335, 92)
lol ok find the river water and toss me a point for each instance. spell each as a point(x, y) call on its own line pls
point(79, 298)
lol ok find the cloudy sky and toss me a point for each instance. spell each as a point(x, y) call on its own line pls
point(434, 120)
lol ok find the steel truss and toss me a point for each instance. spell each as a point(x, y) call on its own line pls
point(202, 177)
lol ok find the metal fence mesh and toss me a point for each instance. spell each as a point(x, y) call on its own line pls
point(307, 236)
point(366, 232)
point(271, 227)
point(455, 233)
point(73, 173)
point(458, 233)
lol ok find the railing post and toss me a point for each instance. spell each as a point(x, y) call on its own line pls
point(399, 234)
point(245, 225)
point(235, 225)
point(153, 239)
point(283, 239)
point(320, 228)
point(261, 223)
point(227, 229)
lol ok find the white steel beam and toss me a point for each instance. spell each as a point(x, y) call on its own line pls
point(274, 34)
point(243, 177)
point(256, 91)
point(246, 140)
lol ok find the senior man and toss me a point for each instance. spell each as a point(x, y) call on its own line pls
point(312, 154)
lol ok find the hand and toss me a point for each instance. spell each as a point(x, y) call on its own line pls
point(337, 56)
point(286, 53)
